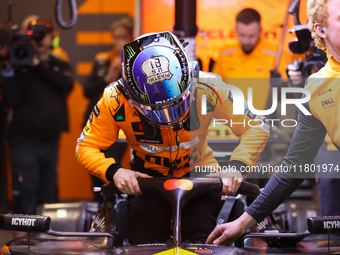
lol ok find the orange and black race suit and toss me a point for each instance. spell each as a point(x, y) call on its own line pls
point(113, 113)
point(309, 135)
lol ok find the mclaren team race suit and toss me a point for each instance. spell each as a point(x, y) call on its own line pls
point(309, 135)
point(250, 70)
point(155, 155)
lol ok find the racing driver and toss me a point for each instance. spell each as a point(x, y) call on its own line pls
point(324, 23)
point(158, 104)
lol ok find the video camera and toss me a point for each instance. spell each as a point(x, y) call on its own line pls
point(21, 50)
point(304, 43)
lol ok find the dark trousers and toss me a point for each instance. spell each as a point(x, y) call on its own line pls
point(328, 183)
point(3, 164)
point(150, 218)
point(34, 175)
point(329, 190)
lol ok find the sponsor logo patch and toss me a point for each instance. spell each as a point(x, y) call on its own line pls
point(82, 136)
point(96, 111)
point(23, 222)
point(87, 128)
point(324, 92)
point(137, 126)
point(327, 102)
point(251, 115)
point(115, 97)
point(135, 114)
point(178, 184)
point(331, 224)
point(120, 114)
point(91, 117)
point(142, 139)
point(210, 107)
point(154, 149)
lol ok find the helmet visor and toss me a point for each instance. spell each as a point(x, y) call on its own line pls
point(169, 114)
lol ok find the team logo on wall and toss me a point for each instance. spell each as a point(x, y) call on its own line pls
point(156, 69)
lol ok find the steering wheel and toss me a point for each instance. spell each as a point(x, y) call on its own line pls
point(178, 191)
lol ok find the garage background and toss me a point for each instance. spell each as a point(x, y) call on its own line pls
point(215, 22)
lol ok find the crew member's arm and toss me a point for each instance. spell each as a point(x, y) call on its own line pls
point(253, 132)
point(58, 73)
point(305, 144)
point(307, 139)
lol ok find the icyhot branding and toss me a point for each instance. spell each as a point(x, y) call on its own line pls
point(23, 222)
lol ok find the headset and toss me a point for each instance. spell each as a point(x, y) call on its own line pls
point(324, 32)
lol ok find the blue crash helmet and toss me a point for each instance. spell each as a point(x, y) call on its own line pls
point(158, 78)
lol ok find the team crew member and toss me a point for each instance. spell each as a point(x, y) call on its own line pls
point(157, 104)
point(324, 23)
point(327, 183)
point(252, 57)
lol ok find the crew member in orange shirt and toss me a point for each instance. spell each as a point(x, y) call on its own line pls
point(252, 57)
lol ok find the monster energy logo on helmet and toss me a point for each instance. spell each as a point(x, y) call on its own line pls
point(130, 51)
point(144, 98)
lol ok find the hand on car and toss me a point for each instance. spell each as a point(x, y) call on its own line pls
point(126, 181)
point(226, 233)
point(231, 181)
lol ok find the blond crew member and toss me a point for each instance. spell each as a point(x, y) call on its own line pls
point(324, 23)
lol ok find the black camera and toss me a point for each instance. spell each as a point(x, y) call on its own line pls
point(304, 43)
point(21, 50)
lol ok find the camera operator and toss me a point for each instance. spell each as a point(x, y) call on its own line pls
point(57, 51)
point(324, 23)
point(37, 95)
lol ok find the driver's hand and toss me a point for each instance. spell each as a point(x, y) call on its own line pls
point(228, 232)
point(294, 75)
point(231, 181)
point(126, 181)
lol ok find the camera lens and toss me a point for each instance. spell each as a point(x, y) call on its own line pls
point(311, 67)
point(21, 52)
